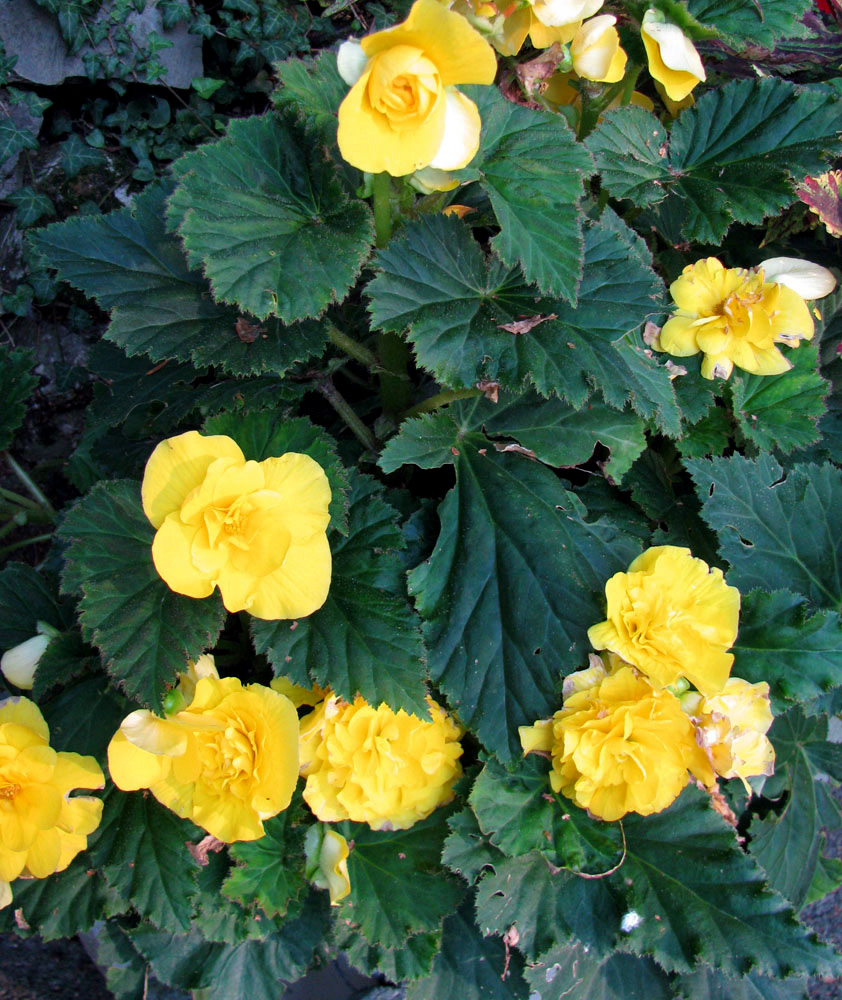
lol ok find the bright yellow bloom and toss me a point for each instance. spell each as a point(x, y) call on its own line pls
point(256, 530)
point(227, 761)
point(42, 827)
point(373, 765)
point(327, 861)
point(732, 727)
point(402, 112)
point(735, 317)
point(620, 746)
point(671, 616)
point(673, 59)
point(596, 51)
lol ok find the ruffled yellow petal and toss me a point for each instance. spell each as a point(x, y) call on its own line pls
point(678, 337)
point(42, 858)
point(25, 713)
point(172, 554)
point(299, 587)
point(132, 768)
point(304, 493)
point(177, 466)
point(536, 737)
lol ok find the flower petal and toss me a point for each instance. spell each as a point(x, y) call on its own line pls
point(132, 768)
point(299, 587)
point(351, 61)
point(810, 281)
point(173, 558)
point(462, 125)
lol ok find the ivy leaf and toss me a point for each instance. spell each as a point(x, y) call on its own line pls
point(574, 972)
point(398, 887)
point(31, 205)
point(434, 280)
point(515, 580)
point(733, 157)
point(145, 631)
point(799, 655)
point(265, 216)
point(788, 845)
point(269, 433)
point(128, 262)
point(16, 385)
point(366, 637)
point(776, 532)
point(781, 411)
point(140, 847)
point(77, 154)
point(470, 966)
point(14, 137)
point(220, 970)
point(551, 429)
point(743, 25)
point(270, 871)
point(533, 170)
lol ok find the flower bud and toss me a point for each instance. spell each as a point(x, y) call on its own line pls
point(596, 51)
point(327, 861)
point(732, 729)
point(20, 662)
point(673, 59)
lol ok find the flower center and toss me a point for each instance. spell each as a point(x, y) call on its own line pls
point(9, 791)
point(228, 757)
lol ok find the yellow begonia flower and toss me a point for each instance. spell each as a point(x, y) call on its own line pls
point(227, 761)
point(596, 51)
point(376, 766)
point(732, 727)
point(402, 112)
point(734, 316)
point(620, 746)
point(42, 827)
point(671, 616)
point(256, 530)
point(673, 59)
point(327, 861)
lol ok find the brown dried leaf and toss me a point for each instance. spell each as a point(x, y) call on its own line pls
point(525, 325)
point(824, 197)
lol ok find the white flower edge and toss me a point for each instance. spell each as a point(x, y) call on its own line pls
point(557, 13)
point(19, 663)
point(677, 51)
point(462, 126)
point(351, 61)
point(810, 281)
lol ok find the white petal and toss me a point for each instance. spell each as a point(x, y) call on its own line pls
point(351, 61)
point(555, 13)
point(462, 126)
point(677, 51)
point(5, 894)
point(18, 663)
point(810, 281)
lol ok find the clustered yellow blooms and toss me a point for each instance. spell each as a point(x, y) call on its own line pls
point(256, 530)
point(377, 766)
point(627, 739)
point(403, 112)
point(42, 827)
point(738, 316)
point(225, 757)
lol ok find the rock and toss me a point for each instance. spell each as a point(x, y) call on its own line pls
point(32, 34)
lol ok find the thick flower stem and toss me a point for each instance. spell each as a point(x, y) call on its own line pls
point(441, 399)
point(381, 203)
point(350, 418)
point(629, 82)
point(353, 348)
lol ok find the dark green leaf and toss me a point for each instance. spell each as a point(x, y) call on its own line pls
point(533, 170)
point(83, 716)
point(748, 24)
point(705, 984)
point(265, 216)
point(515, 580)
point(130, 264)
point(412, 961)
point(776, 531)
point(574, 972)
point(31, 205)
point(141, 848)
point(27, 597)
point(312, 89)
point(731, 158)
point(145, 631)
point(466, 849)
point(14, 137)
point(76, 155)
point(16, 385)
point(67, 658)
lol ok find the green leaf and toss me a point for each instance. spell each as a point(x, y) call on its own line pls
point(129, 263)
point(140, 847)
point(76, 155)
point(84, 715)
point(67, 903)
point(514, 582)
point(398, 886)
point(31, 205)
point(221, 919)
point(533, 170)
point(220, 970)
point(270, 871)
point(126, 973)
point(434, 280)
point(265, 216)
point(366, 637)
point(709, 437)
point(732, 158)
point(551, 429)
point(269, 433)
point(399, 965)
point(313, 89)
point(145, 631)
point(800, 655)
point(67, 658)
point(467, 851)
point(27, 597)
point(16, 385)
point(15, 137)
point(781, 411)
point(706, 984)
point(776, 532)
point(470, 966)
point(574, 972)
point(743, 25)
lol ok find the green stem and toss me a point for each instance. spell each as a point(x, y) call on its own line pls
point(30, 485)
point(629, 82)
point(442, 399)
point(350, 418)
point(23, 543)
point(356, 350)
point(381, 202)
point(19, 501)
